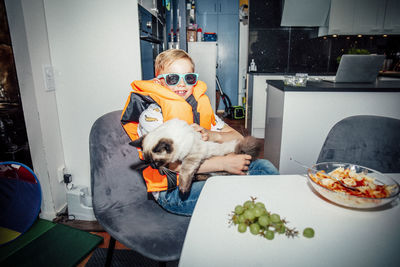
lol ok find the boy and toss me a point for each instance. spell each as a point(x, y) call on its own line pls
point(176, 92)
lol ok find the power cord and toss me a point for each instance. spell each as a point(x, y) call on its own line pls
point(63, 217)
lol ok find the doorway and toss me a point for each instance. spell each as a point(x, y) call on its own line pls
point(13, 136)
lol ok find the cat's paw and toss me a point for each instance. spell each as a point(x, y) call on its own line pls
point(184, 183)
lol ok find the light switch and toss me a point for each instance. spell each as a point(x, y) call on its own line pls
point(48, 72)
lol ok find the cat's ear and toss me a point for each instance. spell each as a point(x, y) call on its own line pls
point(164, 145)
point(137, 143)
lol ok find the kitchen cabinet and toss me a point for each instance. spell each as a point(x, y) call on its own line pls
point(216, 7)
point(224, 22)
point(341, 16)
point(392, 17)
point(372, 17)
point(369, 16)
point(256, 104)
point(305, 13)
point(298, 119)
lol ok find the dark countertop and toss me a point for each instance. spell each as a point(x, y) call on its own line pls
point(323, 86)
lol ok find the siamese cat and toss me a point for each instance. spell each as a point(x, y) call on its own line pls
point(175, 141)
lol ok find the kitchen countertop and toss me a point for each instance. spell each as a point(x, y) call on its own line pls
point(323, 86)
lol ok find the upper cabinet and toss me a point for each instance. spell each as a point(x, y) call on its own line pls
point(341, 16)
point(392, 17)
point(305, 13)
point(368, 17)
point(216, 7)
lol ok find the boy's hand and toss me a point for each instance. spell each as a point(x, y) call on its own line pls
point(236, 163)
point(206, 135)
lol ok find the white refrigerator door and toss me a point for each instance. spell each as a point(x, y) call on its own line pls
point(204, 55)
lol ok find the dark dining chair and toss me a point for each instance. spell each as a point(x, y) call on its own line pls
point(121, 203)
point(370, 141)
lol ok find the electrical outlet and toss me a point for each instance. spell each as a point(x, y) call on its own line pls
point(67, 178)
point(60, 174)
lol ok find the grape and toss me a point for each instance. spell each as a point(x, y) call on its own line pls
point(258, 211)
point(260, 205)
point(239, 209)
point(269, 235)
point(280, 228)
point(254, 228)
point(308, 232)
point(263, 220)
point(242, 227)
point(260, 221)
point(264, 211)
point(248, 204)
point(241, 218)
point(249, 214)
point(275, 218)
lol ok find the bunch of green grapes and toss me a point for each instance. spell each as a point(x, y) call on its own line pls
point(254, 215)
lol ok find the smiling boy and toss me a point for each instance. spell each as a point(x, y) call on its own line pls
point(176, 92)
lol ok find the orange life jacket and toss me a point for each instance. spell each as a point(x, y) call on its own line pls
point(172, 106)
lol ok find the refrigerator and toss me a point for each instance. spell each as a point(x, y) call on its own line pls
point(204, 55)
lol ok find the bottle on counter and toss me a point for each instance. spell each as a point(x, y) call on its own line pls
point(253, 66)
point(199, 34)
point(172, 35)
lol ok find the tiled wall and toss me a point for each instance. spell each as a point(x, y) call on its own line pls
point(277, 49)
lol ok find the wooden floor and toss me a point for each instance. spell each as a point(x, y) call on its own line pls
point(95, 228)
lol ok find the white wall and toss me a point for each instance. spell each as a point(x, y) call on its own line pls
point(94, 48)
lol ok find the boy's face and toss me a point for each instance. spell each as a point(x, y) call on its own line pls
point(180, 66)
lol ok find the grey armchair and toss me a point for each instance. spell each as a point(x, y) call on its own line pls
point(370, 141)
point(120, 201)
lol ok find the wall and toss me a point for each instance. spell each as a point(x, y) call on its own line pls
point(94, 48)
point(277, 49)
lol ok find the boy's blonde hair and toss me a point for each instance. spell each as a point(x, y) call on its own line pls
point(166, 58)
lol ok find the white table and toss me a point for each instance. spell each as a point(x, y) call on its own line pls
point(343, 237)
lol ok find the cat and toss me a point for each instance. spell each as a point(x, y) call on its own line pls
point(177, 141)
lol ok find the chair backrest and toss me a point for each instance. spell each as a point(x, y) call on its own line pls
point(370, 141)
point(120, 201)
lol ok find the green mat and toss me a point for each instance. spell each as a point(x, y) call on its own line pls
point(49, 244)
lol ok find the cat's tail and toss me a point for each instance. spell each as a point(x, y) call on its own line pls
point(249, 145)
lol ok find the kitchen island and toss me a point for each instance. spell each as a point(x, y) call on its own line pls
point(298, 119)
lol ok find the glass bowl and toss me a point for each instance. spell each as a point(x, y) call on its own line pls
point(299, 80)
point(359, 198)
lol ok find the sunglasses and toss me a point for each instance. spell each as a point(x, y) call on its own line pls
point(174, 78)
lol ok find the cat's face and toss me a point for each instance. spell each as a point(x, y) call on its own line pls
point(168, 143)
point(158, 154)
